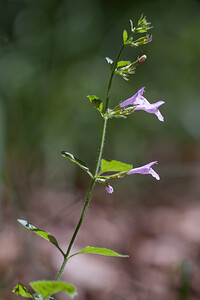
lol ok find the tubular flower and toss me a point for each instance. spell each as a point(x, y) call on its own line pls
point(141, 103)
point(146, 169)
point(109, 189)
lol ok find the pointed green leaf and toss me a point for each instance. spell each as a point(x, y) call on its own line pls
point(96, 102)
point(141, 19)
point(75, 160)
point(99, 251)
point(114, 166)
point(50, 287)
point(125, 35)
point(21, 290)
point(45, 235)
point(109, 60)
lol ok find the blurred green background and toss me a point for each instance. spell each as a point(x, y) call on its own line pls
point(52, 55)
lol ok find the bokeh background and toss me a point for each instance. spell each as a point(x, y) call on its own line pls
point(52, 55)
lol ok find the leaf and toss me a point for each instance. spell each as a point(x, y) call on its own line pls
point(123, 63)
point(96, 102)
point(21, 290)
point(99, 251)
point(109, 60)
point(77, 161)
point(141, 19)
point(125, 35)
point(114, 166)
point(45, 235)
point(49, 287)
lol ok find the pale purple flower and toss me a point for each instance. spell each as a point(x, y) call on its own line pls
point(109, 189)
point(147, 169)
point(142, 104)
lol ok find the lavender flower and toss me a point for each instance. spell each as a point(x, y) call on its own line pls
point(109, 189)
point(142, 104)
point(146, 169)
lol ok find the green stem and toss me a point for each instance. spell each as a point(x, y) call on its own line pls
point(94, 179)
point(87, 201)
point(111, 78)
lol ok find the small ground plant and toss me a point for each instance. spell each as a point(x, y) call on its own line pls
point(104, 170)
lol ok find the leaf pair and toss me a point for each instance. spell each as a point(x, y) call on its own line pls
point(89, 249)
point(45, 288)
point(118, 167)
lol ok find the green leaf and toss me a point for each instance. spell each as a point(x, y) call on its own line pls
point(45, 235)
point(49, 287)
point(114, 166)
point(125, 35)
point(109, 60)
point(99, 251)
point(123, 63)
point(96, 102)
point(21, 290)
point(77, 161)
point(141, 19)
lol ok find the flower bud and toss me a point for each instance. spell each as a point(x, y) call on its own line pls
point(142, 58)
point(109, 189)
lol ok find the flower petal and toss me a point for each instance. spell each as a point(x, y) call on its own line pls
point(109, 189)
point(142, 103)
point(146, 169)
point(134, 99)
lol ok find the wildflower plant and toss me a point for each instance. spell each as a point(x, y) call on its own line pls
point(104, 170)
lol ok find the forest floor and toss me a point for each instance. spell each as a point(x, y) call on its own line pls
point(160, 233)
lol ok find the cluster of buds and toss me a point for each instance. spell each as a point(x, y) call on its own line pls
point(137, 102)
point(141, 41)
point(125, 68)
point(142, 27)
